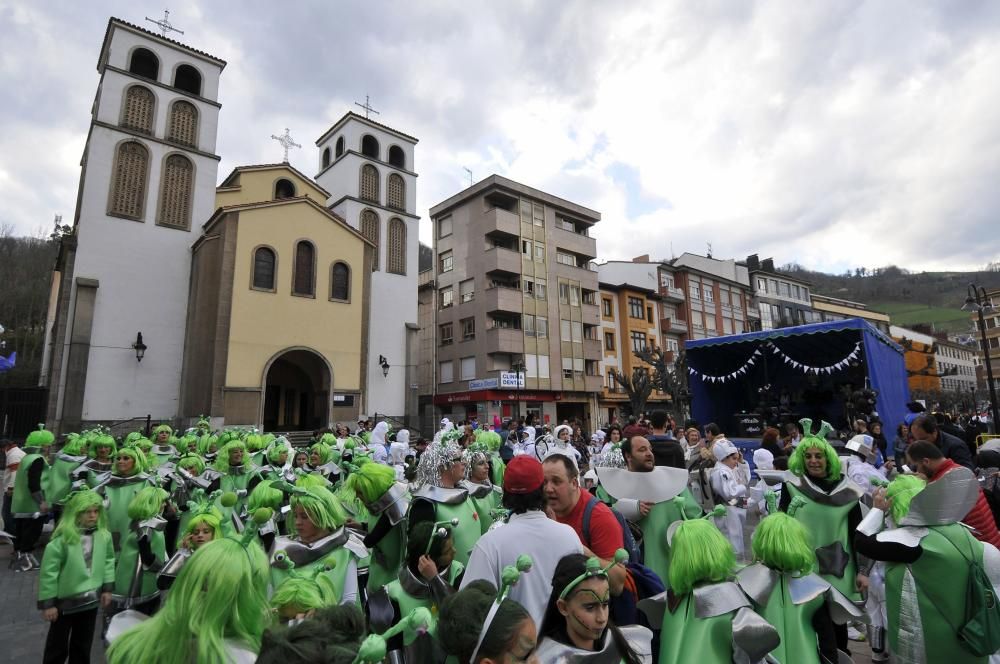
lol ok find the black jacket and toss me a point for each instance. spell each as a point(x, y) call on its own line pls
point(955, 449)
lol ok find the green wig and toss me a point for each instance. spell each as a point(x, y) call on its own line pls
point(211, 518)
point(140, 443)
point(219, 594)
point(817, 441)
point(306, 591)
point(324, 450)
point(40, 437)
point(191, 462)
point(491, 439)
point(205, 444)
point(75, 445)
point(265, 495)
point(782, 543)
point(699, 553)
point(78, 503)
point(140, 462)
point(101, 440)
point(188, 443)
point(222, 460)
point(371, 481)
point(161, 428)
point(276, 449)
point(147, 503)
point(322, 508)
point(901, 491)
point(312, 480)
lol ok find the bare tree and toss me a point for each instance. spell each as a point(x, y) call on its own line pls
point(638, 387)
point(669, 376)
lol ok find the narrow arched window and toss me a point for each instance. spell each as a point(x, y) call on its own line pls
point(182, 126)
point(188, 79)
point(368, 188)
point(396, 247)
point(340, 281)
point(176, 192)
point(284, 189)
point(137, 112)
point(397, 157)
point(144, 63)
point(128, 184)
point(395, 192)
point(264, 260)
point(304, 278)
point(326, 157)
point(369, 228)
point(369, 146)
point(340, 146)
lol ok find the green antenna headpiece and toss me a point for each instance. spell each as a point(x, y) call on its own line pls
point(594, 569)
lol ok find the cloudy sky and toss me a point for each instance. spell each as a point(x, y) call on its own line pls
point(832, 134)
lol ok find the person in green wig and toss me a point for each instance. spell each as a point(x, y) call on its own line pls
point(799, 604)
point(705, 617)
point(216, 611)
point(72, 454)
point(492, 441)
point(144, 551)
point(321, 462)
point(30, 503)
point(577, 625)
point(278, 456)
point(386, 502)
point(76, 577)
point(163, 449)
point(931, 559)
point(202, 525)
point(100, 462)
point(125, 482)
point(486, 496)
point(236, 474)
point(320, 535)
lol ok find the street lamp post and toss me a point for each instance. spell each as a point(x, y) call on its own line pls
point(978, 302)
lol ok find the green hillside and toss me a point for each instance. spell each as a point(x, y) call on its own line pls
point(908, 314)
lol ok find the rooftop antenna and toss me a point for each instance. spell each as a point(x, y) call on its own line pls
point(469, 172)
point(709, 249)
point(367, 106)
point(672, 254)
point(164, 23)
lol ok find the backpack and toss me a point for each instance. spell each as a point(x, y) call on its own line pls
point(979, 631)
point(628, 537)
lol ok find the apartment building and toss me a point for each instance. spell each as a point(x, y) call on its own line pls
point(834, 308)
point(779, 300)
point(517, 317)
point(921, 363)
point(992, 319)
point(957, 365)
point(718, 295)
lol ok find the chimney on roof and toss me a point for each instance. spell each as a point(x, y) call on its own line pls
point(641, 259)
point(767, 265)
point(753, 263)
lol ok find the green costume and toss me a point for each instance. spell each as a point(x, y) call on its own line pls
point(388, 552)
point(118, 492)
point(656, 551)
point(825, 516)
point(449, 505)
point(134, 582)
point(497, 469)
point(161, 454)
point(25, 504)
point(73, 576)
point(340, 548)
point(61, 476)
point(487, 498)
point(712, 624)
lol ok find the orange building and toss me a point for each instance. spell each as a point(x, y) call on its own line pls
point(921, 366)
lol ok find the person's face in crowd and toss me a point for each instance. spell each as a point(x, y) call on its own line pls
point(693, 437)
point(615, 436)
point(282, 458)
point(88, 517)
point(919, 434)
point(162, 437)
point(561, 492)
point(876, 429)
point(192, 469)
point(314, 458)
point(480, 472)
point(586, 611)
point(564, 435)
point(103, 453)
point(341, 431)
point(192, 446)
point(456, 472)
point(447, 555)
point(236, 456)
point(521, 649)
point(815, 460)
point(306, 529)
point(213, 448)
point(201, 534)
point(904, 431)
point(641, 459)
point(709, 436)
point(300, 459)
point(733, 460)
point(125, 464)
point(923, 466)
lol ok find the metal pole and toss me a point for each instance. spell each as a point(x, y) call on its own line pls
point(989, 366)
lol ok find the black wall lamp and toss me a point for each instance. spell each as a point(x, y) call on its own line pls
point(139, 347)
point(384, 363)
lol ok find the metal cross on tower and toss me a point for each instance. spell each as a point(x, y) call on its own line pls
point(286, 142)
point(164, 24)
point(368, 108)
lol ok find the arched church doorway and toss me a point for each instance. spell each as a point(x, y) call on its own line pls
point(297, 392)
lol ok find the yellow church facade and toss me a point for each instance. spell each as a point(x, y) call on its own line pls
point(278, 308)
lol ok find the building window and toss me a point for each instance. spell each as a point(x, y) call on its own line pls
point(339, 147)
point(397, 157)
point(541, 328)
point(395, 192)
point(264, 260)
point(446, 371)
point(606, 307)
point(786, 289)
point(369, 146)
point(368, 189)
point(446, 296)
point(144, 63)
point(666, 280)
point(649, 315)
point(445, 334)
point(528, 325)
point(340, 281)
point(577, 328)
point(183, 124)
point(565, 330)
point(609, 341)
point(695, 289)
point(673, 345)
point(724, 297)
point(188, 79)
point(709, 293)
point(369, 228)
point(612, 384)
point(128, 193)
point(574, 296)
point(467, 290)
point(446, 261)
point(176, 192)
point(396, 250)
point(565, 258)
point(326, 158)
point(539, 289)
point(638, 341)
point(137, 113)
point(284, 188)
point(635, 308)
point(539, 252)
point(563, 292)
point(304, 276)
point(469, 368)
point(762, 285)
point(468, 328)
point(444, 227)
point(795, 292)
point(538, 214)
point(590, 297)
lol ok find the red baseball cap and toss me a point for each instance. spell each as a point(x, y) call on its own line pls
point(523, 475)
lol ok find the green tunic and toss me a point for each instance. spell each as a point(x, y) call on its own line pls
point(61, 477)
point(129, 589)
point(656, 551)
point(458, 506)
point(497, 469)
point(937, 603)
point(118, 493)
point(388, 553)
point(71, 580)
point(338, 548)
point(486, 498)
point(23, 504)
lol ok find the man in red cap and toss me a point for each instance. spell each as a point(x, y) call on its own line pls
point(529, 531)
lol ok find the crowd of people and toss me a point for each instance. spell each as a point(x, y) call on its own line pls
point(507, 542)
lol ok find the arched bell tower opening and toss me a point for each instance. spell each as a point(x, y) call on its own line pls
point(297, 392)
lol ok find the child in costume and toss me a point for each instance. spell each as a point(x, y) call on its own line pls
point(799, 604)
point(202, 525)
point(278, 466)
point(126, 481)
point(101, 451)
point(705, 617)
point(427, 578)
point(321, 462)
point(577, 627)
point(929, 559)
point(387, 502)
point(77, 575)
point(143, 551)
point(30, 504)
point(302, 593)
point(831, 513)
point(61, 472)
point(235, 475)
point(215, 612)
point(163, 450)
point(728, 490)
